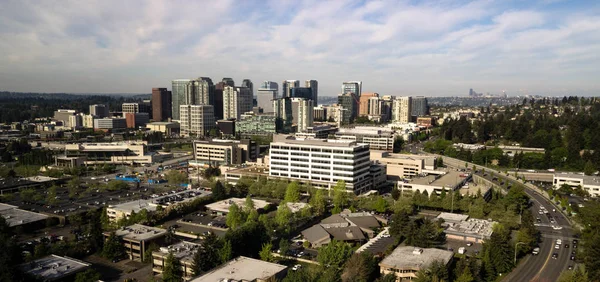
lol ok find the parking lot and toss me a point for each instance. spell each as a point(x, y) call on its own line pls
point(455, 245)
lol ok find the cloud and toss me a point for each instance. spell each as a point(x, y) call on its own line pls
point(394, 47)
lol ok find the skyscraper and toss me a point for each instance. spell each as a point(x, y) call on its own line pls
point(236, 101)
point(301, 92)
point(401, 110)
point(265, 96)
point(352, 87)
point(218, 101)
point(314, 88)
point(197, 120)
point(419, 106)
point(286, 87)
point(228, 81)
point(99, 110)
point(161, 104)
point(349, 102)
point(179, 96)
point(305, 114)
point(363, 108)
point(248, 83)
point(283, 111)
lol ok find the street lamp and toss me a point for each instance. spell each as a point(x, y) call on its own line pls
point(516, 245)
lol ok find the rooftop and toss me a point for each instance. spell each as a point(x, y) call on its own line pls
point(296, 207)
point(288, 139)
point(53, 267)
point(40, 178)
point(161, 123)
point(152, 204)
point(242, 269)
point(407, 257)
point(472, 227)
point(446, 216)
point(365, 130)
point(15, 216)
point(450, 180)
point(223, 206)
point(140, 232)
point(184, 251)
point(587, 179)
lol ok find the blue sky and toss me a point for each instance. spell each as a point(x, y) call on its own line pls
point(431, 48)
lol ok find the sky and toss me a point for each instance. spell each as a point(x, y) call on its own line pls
point(430, 48)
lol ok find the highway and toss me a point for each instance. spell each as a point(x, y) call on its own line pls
point(541, 267)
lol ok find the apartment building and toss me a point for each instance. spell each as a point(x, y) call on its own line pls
point(137, 238)
point(322, 162)
point(196, 120)
point(183, 251)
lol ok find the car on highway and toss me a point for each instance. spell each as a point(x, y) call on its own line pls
point(572, 257)
point(566, 246)
point(570, 267)
point(555, 255)
point(556, 227)
point(557, 247)
point(558, 241)
point(535, 251)
point(296, 267)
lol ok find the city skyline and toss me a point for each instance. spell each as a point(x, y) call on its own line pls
point(395, 48)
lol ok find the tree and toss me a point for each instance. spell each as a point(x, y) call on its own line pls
point(51, 197)
point(436, 272)
point(360, 268)
point(380, 205)
point(113, 247)
point(439, 162)
point(265, 253)
point(400, 225)
point(249, 204)
point(117, 185)
point(465, 276)
point(148, 253)
point(334, 254)
point(340, 197)
point(317, 201)
point(292, 193)
point(284, 247)
point(89, 275)
point(390, 277)
point(284, 216)
point(207, 257)
point(225, 253)
point(395, 194)
point(589, 168)
point(398, 144)
point(73, 187)
point(235, 217)
point(576, 275)
point(218, 192)
point(176, 177)
point(172, 271)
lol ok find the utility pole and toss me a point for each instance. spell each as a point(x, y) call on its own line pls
point(516, 245)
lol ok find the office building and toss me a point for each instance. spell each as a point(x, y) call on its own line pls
point(222, 207)
point(314, 88)
point(261, 124)
point(386, 107)
point(401, 166)
point(363, 108)
point(248, 84)
point(236, 101)
point(378, 138)
point(305, 115)
point(462, 228)
point(352, 87)
point(113, 153)
point(200, 91)
point(590, 184)
point(320, 113)
point(265, 96)
point(405, 261)
point(196, 120)
point(88, 121)
point(110, 123)
point(349, 101)
point(317, 131)
point(224, 152)
point(323, 162)
point(137, 238)
point(218, 101)
point(64, 115)
point(245, 269)
point(135, 120)
point(401, 110)
point(375, 106)
point(54, 268)
point(136, 108)
point(161, 104)
point(287, 86)
point(179, 96)
point(183, 251)
point(228, 81)
point(226, 126)
point(284, 113)
point(449, 182)
point(167, 128)
point(419, 106)
point(301, 92)
point(99, 110)
point(17, 217)
point(76, 121)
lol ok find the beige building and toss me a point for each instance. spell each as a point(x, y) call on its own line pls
point(196, 120)
point(182, 251)
point(113, 153)
point(245, 269)
point(406, 261)
point(168, 128)
point(378, 138)
point(400, 166)
point(225, 152)
point(236, 101)
point(137, 238)
point(401, 110)
point(363, 109)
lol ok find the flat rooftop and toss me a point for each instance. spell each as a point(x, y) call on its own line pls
point(587, 179)
point(242, 269)
point(140, 232)
point(407, 257)
point(446, 216)
point(450, 179)
point(472, 189)
point(472, 227)
point(223, 206)
point(378, 131)
point(184, 251)
point(40, 178)
point(152, 204)
point(296, 207)
point(53, 267)
point(16, 217)
point(288, 139)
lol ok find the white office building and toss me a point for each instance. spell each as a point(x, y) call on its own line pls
point(196, 120)
point(401, 110)
point(378, 138)
point(236, 101)
point(320, 161)
point(266, 94)
point(305, 114)
point(590, 184)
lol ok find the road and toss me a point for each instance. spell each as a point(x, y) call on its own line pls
point(541, 267)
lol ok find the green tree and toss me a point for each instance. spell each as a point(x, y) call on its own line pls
point(360, 268)
point(380, 204)
point(284, 216)
point(89, 275)
point(589, 168)
point(117, 185)
point(317, 201)
point(235, 217)
point(265, 253)
point(207, 257)
point(292, 193)
point(73, 187)
point(51, 197)
point(284, 247)
point(400, 225)
point(576, 275)
point(340, 197)
point(172, 271)
point(176, 177)
point(465, 276)
point(334, 254)
point(436, 272)
point(113, 247)
point(398, 144)
point(226, 252)
point(249, 204)
point(218, 192)
point(148, 253)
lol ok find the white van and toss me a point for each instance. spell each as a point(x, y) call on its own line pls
point(462, 250)
point(536, 251)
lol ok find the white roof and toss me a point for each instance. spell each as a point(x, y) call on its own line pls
point(242, 269)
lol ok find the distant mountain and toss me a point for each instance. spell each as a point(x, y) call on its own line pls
point(69, 96)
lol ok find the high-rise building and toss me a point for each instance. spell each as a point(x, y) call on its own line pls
point(219, 100)
point(401, 110)
point(283, 111)
point(76, 121)
point(197, 120)
point(301, 92)
point(305, 114)
point(302, 159)
point(314, 88)
point(262, 124)
point(419, 106)
point(161, 104)
point(386, 107)
point(236, 101)
point(363, 108)
point(99, 110)
point(135, 108)
point(179, 96)
point(374, 107)
point(134, 120)
point(352, 87)
point(200, 91)
point(228, 81)
point(286, 87)
point(265, 96)
point(349, 102)
point(248, 84)
point(320, 113)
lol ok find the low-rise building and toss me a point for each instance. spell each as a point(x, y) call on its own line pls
point(245, 269)
point(378, 138)
point(182, 251)
point(114, 153)
point(461, 227)
point(317, 131)
point(224, 152)
point(400, 166)
point(137, 238)
point(18, 217)
point(252, 124)
point(450, 181)
point(406, 261)
point(590, 184)
point(346, 226)
point(222, 207)
point(54, 268)
point(110, 123)
point(168, 128)
point(135, 120)
point(64, 161)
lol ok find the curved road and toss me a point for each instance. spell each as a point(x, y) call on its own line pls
point(541, 267)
